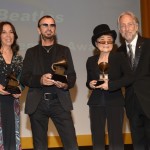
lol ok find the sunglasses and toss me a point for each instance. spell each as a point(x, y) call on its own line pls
point(105, 42)
point(45, 25)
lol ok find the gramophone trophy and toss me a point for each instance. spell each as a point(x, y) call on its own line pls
point(103, 66)
point(59, 69)
point(12, 84)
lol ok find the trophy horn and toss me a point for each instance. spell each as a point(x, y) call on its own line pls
point(103, 66)
point(61, 63)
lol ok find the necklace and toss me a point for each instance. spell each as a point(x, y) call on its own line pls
point(47, 49)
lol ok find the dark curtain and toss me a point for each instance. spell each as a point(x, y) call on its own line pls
point(145, 17)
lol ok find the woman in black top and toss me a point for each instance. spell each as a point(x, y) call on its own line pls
point(10, 64)
point(106, 101)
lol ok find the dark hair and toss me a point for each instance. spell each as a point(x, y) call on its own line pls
point(14, 46)
point(46, 16)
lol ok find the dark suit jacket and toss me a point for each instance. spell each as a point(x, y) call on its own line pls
point(141, 85)
point(119, 74)
point(33, 69)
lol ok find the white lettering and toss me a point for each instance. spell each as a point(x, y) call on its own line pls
point(14, 16)
point(25, 17)
point(3, 14)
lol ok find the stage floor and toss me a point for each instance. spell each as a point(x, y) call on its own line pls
point(127, 147)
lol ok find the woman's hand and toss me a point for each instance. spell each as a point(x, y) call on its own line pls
point(2, 91)
point(16, 95)
point(93, 83)
point(103, 86)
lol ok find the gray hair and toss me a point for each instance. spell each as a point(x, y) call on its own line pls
point(129, 14)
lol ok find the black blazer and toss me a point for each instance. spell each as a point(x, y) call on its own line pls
point(119, 74)
point(33, 69)
point(141, 85)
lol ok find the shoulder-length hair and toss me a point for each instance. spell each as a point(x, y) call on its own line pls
point(14, 46)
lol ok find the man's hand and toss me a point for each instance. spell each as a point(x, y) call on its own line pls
point(46, 79)
point(61, 85)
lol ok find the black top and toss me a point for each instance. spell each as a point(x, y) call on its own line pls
point(6, 69)
point(119, 74)
point(141, 71)
point(35, 66)
point(47, 56)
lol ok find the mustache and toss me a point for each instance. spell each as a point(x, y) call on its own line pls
point(47, 37)
point(48, 31)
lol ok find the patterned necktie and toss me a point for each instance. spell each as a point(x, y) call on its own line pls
point(130, 53)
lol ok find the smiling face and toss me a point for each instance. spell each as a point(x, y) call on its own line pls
point(128, 27)
point(105, 43)
point(47, 28)
point(7, 35)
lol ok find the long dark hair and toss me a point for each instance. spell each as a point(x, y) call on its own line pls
point(14, 46)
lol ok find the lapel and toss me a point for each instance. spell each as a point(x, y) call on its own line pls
point(40, 59)
point(95, 63)
point(138, 51)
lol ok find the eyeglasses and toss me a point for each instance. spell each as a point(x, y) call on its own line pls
point(105, 42)
point(45, 25)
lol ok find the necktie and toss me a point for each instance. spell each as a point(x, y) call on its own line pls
point(131, 54)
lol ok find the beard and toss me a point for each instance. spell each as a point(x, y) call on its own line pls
point(47, 37)
point(129, 36)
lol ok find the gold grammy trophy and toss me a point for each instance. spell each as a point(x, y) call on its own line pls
point(59, 69)
point(103, 66)
point(12, 84)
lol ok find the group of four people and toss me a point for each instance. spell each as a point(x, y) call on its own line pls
point(48, 98)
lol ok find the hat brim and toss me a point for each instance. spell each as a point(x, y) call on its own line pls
point(112, 33)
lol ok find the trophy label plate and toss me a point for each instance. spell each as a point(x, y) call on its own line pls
point(99, 83)
point(12, 84)
point(60, 78)
point(12, 89)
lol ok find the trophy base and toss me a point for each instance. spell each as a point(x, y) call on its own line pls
point(60, 78)
point(99, 83)
point(13, 90)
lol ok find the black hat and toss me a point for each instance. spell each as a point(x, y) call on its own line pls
point(102, 29)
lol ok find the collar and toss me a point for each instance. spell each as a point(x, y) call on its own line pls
point(134, 41)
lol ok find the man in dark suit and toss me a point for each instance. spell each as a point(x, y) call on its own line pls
point(49, 96)
point(137, 51)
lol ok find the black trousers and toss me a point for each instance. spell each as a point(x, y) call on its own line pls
point(8, 122)
point(62, 120)
point(140, 127)
point(114, 117)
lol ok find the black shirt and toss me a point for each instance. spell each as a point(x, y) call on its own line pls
point(47, 55)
